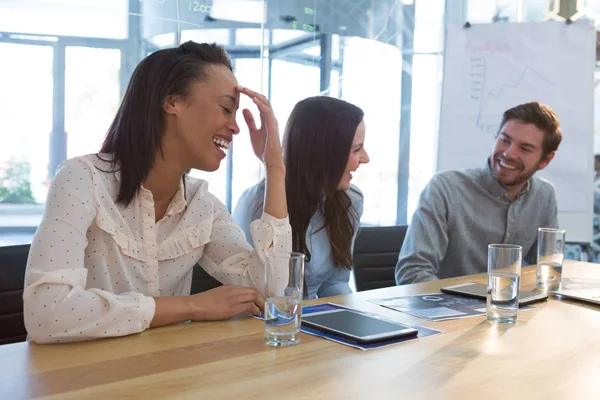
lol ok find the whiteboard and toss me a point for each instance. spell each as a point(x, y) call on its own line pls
point(490, 68)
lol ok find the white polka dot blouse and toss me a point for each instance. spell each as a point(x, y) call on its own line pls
point(95, 266)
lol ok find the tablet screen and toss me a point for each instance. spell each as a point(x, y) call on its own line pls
point(479, 290)
point(355, 324)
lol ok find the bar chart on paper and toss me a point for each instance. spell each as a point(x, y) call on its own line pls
point(490, 68)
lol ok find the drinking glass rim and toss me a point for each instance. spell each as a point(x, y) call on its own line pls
point(284, 254)
point(505, 246)
point(552, 230)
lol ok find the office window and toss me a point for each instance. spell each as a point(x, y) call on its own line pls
point(251, 37)
point(92, 97)
point(26, 120)
point(487, 11)
point(98, 19)
point(246, 166)
point(292, 82)
point(79, 58)
point(371, 80)
point(425, 108)
point(25, 126)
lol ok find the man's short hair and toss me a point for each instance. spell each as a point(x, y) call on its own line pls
point(543, 118)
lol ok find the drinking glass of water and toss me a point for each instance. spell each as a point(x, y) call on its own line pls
point(504, 271)
point(551, 243)
point(284, 287)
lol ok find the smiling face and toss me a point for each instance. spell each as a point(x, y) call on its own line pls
point(518, 154)
point(358, 155)
point(201, 126)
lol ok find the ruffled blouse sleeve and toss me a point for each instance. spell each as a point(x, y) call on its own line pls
point(231, 260)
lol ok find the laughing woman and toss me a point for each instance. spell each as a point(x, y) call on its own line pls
point(323, 145)
point(123, 228)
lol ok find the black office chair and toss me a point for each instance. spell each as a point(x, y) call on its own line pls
point(202, 281)
point(375, 256)
point(13, 261)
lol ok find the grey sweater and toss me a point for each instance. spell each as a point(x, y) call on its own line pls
point(460, 213)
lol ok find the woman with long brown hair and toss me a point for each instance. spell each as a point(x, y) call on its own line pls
point(323, 145)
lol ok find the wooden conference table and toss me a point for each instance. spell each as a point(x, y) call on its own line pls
point(552, 352)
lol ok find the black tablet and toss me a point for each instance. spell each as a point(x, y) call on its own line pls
point(357, 326)
point(479, 290)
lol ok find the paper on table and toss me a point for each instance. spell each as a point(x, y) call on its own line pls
point(584, 289)
point(437, 306)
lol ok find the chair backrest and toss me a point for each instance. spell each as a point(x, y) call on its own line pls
point(375, 256)
point(13, 261)
point(202, 281)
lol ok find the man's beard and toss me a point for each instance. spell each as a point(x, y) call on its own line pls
point(519, 179)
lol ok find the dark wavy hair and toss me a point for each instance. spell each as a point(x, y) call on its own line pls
point(318, 139)
point(135, 135)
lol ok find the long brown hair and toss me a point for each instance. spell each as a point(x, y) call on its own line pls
point(135, 135)
point(317, 142)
